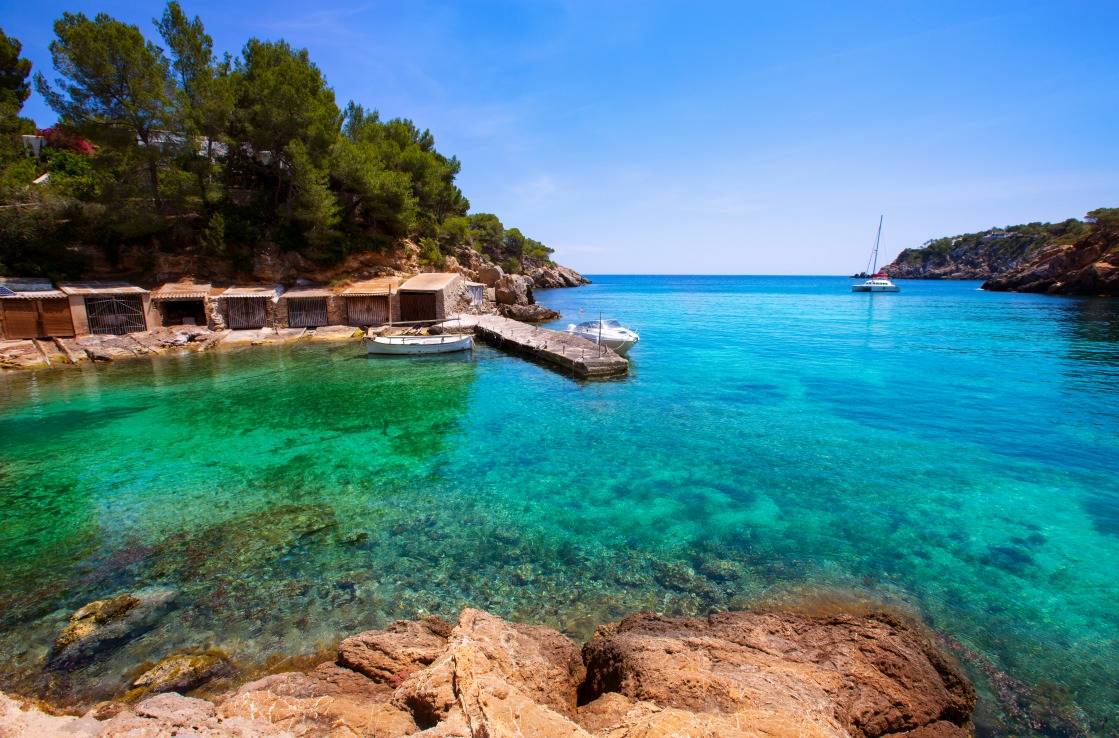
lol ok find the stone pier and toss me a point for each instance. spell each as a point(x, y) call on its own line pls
point(567, 353)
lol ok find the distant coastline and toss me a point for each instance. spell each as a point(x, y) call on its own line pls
point(1073, 257)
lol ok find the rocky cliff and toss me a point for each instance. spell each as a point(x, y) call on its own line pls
point(270, 264)
point(1088, 266)
point(837, 674)
point(981, 255)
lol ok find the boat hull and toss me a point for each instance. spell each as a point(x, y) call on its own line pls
point(620, 346)
point(411, 345)
point(875, 288)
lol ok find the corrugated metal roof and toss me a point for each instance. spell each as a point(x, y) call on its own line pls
point(379, 286)
point(95, 287)
point(256, 291)
point(301, 292)
point(181, 291)
point(27, 288)
point(26, 284)
point(431, 282)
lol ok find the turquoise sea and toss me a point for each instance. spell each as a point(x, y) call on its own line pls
point(947, 450)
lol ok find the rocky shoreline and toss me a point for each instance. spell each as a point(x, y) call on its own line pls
point(1069, 258)
point(831, 672)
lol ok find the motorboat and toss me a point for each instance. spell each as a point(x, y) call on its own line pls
point(878, 281)
point(400, 345)
point(609, 333)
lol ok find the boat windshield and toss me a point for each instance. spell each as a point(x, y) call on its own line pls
point(593, 325)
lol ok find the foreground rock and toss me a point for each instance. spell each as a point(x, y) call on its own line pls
point(22, 354)
point(835, 675)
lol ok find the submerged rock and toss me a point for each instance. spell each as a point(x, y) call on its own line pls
point(103, 625)
point(182, 672)
point(225, 551)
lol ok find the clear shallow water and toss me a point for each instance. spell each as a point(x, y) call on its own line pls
point(945, 448)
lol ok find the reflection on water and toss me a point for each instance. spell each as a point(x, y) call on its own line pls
point(775, 434)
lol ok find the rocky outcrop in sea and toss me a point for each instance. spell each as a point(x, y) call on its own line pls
point(834, 674)
point(971, 256)
point(1069, 258)
point(1090, 266)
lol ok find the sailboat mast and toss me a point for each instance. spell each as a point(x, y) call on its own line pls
point(877, 238)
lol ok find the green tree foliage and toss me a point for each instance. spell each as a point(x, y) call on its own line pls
point(236, 153)
point(14, 89)
point(282, 98)
point(111, 81)
point(204, 90)
point(1009, 243)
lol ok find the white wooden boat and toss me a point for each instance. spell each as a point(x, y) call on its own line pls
point(399, 345)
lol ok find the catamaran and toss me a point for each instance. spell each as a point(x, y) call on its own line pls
point(878, 281)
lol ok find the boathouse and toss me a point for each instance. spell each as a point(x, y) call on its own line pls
point(182, 303)
point(307, 307)
point(113, 308)
point(427, 297)
point(245, 308)
point(33, 308)
point(371, 303)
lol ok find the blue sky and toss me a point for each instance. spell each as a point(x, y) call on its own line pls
point(642, 137)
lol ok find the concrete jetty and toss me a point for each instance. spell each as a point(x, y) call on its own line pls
point(570, 354)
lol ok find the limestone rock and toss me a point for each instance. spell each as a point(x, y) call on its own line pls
point(539, 662)
point(18, 720)
point(534, 313)
point(490, 274)
point(835, 674)
point(615, 716)
point(330, 701)
point(1088, 267)
point(176, 710)
point(759, 674)
point(554, 275)
point(514, 289)
point(21, 355)
point(170, 714)
point(105, 624)
point(392, 654)
point(182, 672)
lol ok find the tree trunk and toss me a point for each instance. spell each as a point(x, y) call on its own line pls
point(153, 166)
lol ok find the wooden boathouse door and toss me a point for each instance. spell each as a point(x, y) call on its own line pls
point(367, 310)
point(417, 306)
point(37, 318)
point(307, 312)
point(247, 312)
